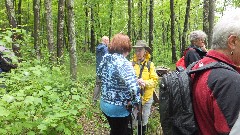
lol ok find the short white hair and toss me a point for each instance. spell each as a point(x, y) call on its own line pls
point(197, 34)
point(228, 25)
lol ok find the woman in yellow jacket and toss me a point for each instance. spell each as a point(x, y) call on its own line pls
point(147, 80)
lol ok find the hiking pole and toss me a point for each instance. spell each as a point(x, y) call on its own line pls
point(140, 122)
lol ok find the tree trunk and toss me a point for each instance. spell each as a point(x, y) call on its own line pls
point(72, 40)
point(151, 24)
point(36, 9)
point(92, 48)
point(129, 19)
point(110, 18)
point(19, 13)
point(140, 13)
point(146, 20)
point(60, 31)
point(174, 58)
point(211, 21)
point(11, 13)
point(49, 21)
point(86, 29)
point(205, 17)
point(185, 29)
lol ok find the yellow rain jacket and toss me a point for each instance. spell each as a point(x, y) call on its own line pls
point(150, 77)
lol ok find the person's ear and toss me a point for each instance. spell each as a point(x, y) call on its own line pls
point(232, 41)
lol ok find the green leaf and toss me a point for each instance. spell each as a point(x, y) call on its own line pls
point(4, 112)
point(38, 100)
point(75, 97)
point(67, 131)
point(8, 39)
point(2, 43)
point(48, 87)
point(31, 133)
point(29, 100)
point(42, 127)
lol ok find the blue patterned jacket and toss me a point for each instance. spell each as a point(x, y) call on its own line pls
point(119, 81)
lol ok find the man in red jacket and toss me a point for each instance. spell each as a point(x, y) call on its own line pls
point(216, 93)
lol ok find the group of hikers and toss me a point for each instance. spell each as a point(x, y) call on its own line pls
point(127, 87)
point(123, 82)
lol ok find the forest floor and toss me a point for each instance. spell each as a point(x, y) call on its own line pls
point(98, 125)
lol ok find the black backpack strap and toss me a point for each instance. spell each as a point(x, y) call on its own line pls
point(209, 66)
point(148, 65)
point(141, 69)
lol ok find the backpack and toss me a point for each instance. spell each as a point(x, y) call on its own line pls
point(181, 61)
point(176, 112)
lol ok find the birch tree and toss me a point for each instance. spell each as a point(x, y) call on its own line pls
point(72, 40)
point(49, 21)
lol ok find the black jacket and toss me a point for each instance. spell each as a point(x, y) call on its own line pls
point(193, 54)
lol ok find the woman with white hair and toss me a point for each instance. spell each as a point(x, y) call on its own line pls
point(196, 50)
point(216, 94)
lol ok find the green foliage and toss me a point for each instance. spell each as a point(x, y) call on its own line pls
point(42, 100)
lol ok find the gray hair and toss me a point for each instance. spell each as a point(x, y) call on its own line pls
point(228, 25)
point(197, 34)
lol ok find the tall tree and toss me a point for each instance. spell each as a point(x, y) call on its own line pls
point(172, 16)
point(140, 13)
point(205, 16)
point(60, 31)
point(86, 28)
point(211, 21)
point(185, 29)
point(36, 10)
point(151, 24)
point(92, 48)
point(19, 12)
point(129, 19)
point(11, 13)
point(72, 40)
point(49, 21)
point(110, 18)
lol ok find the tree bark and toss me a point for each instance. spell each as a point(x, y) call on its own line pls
point(49, 21)
point(174, 58)
point(19, 13)
point(205, 17)
point(140, 13)
point(11, 13)
point(72, 40)
point(211, 21)
point(92, 48)
point(151, 24)
point(129, 19)
point(60, 31)
point(110, 18)
point(36, 9)
point(185, 29)
point(86, 29)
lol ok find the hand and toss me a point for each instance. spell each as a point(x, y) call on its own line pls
point(204, 48)
point(141, 82)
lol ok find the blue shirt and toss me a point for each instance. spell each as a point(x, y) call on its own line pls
point(101, 50)
point(119, 84)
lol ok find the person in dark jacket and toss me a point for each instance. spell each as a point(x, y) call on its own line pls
point(216, 93)
point(101, 50)
point(196, 50)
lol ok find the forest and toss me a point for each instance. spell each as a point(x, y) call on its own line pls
point(50, 92)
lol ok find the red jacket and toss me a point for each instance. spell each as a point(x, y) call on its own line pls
point(216, 96)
